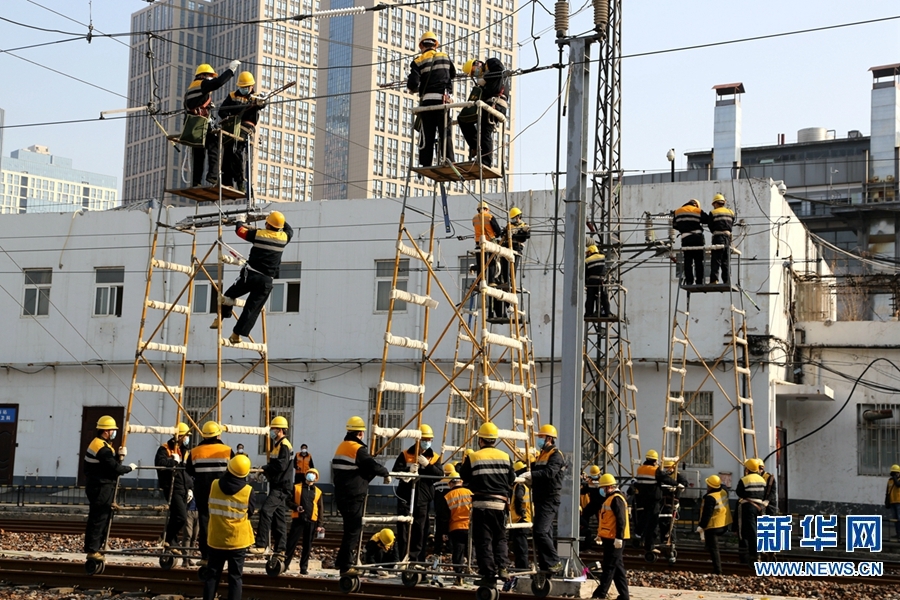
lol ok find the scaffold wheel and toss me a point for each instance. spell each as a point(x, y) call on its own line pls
point(487, 593)
point(541, 585)
point(651, 557)
point(275, 566)
point(166, 561)
point(673, 556)
point(349, 584)
point(411, 578)
point(93, 566)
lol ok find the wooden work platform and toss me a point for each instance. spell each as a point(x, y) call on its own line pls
point(464, 170)
point(606, 319)
point(208, 194)
point(703, 288)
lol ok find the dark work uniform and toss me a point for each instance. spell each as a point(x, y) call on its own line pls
point(668, 500)
point(688, 221)
point(485, 225)
point(174, 483)
point(101, 470)
point(720, 222)
point(594, 276)
point(520, 512)
point(715, 517)
point(494, 93)
point(307, 511)
point(352, 470)
point(751, 492)
point(771, 494)
point(273, 514)
point(514, 235)
point(206, 463)
point(197, 101)
point(263, 265)
point(246, 109)
point(591, 503)
point(441, 515)
point(302, 464)
point(431, 76)
point(613, 525)
point(376, 554)
point(546, 486)
point(424, 494)
point(646, 501)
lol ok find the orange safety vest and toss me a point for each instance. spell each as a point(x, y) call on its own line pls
point(210, 458)
point(607, 529)
point(459, 500)
point(301, 463)
point(412, 458)
point(482, 225)
point(345, 456)
point(298, 490)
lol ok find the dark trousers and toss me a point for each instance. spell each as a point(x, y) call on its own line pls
point(273, 519)
point(413, 534)
point(351, 509)
point(651, 525)
point(719, 258)
point(542, 531)
point(592, 294)
point(712, 546)
point(203, 522)
point(693, 259)
point(470, 132)
point(613, 572)
point(440, 530)
point(489, 541)
point(258, 286)
point(99, 514)
point(302, 529)
point(177, 518)
point(432, 126)
point(747, 514)
point(217, 560)
point(233, 163)
point(210, 153)
point(518, 541)
point(459, 548)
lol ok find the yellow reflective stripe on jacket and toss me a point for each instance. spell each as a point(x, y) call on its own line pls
point(345, 456)
point(229, 527)
point(96, 445)
point(607, 528)
point(459, 500)
point(526, 500)
point(721, 516)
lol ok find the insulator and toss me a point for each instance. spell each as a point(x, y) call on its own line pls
point(601, 14)
point(561, 19)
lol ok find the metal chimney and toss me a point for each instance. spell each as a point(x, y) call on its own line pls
point(727, 133)
point(885, 123)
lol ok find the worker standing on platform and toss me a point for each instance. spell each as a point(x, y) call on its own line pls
point(514, 235)
point(206, 463)
point(671, 484)
point(431, 76)
point(353, 468)
point(546, 478)
point(230, 532)
point(459, 501)
point(485, 226)
point(174, 482)
point(441, 510)
point(303, 462)
point(198, 102)
point(591, 501)
point(101, 470)
point(594, 280)
point(646, 499)
point(263, 265)
point(520, 512)
point(611, 535)
point(491, 87)
point(423, 462)
point(280, 474)
point(489, 474)
point(307, 511)
point(751, 491)
point(688, 221)
point(715, 517)
point(239, 115)
point(892, 497)
point(720, 222)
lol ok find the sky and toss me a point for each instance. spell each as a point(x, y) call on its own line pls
point(815, 79)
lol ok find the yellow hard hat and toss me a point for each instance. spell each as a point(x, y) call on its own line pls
point(592, 249)
point(713, 481)
point(239, 466)
point(607, 479)
point(427, 432)
point(594, 471)
point(467, 67)
point(211, 429)
point(752, 464)
point(204, 69)
point(275, 219)
point(429, 36)
point(314, 472)
point(718, 198)
point(386, 537)
point(484, 206)
point(895, 468)
point(668, 463)
point(547, 429)
point(449, 468)
point(488, 431)
point(279, 422)
point(469, 452)
point(106, 422)
point(694, 202)
point(356, 424)
point(451, 475)
point(652, 454)
point(183, 429)
point(518, 465)
point(514, 212)
point(245, 79)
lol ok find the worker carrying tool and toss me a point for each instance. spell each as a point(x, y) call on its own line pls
point(280, 474)
point(611, 535)
point(431, 76)
point(255, 279)
point(720, 222)
point(176, 486)
point(206, 463)
point(520, 512)
point(491, 87)
point(688, 221)
point(423, 462)
point(238, 116)
point(459, 501)
point(751, 492)
point(546, 478)
point(715, 517)
point(595, 283)
point(303, 462)
point(198, 103)
point(101, 471)
point(307, 511)
point(353, 468)
point(515, 235)
point(646, 499)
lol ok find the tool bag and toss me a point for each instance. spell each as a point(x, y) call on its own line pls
point(194, 131)
point(470, 113)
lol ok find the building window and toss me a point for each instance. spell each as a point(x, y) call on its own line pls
point(878, 440)
point(199, 402)
point(466, 276)
point(108, 291)
point(285, 296)
point(281, 404)
point(384, 274)
point(459, 409)
point(205, 301)
point(37, 292)
point(695, 422)
point(393, 405)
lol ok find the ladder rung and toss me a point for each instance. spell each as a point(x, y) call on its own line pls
point(683, 312)
point(404, 342)
point(449, 449)
point(746, 431)
point(678, 370)
point(628, 363)
point(406, 388)
point(493, 248)
point(408, 251)
point(737, 310)
point(524, 422)
point(426, 301)
point(509, 434)
point(524, 366)
point(631, 387)
point(743, 400)
point(226, 301)
point(175, 390)
point(498, 294)
point(231, 260)
point(678, 340)
point(465, 337)
point(244, 387)
point(460, 393)
point(387, 432)
point(245, 429)
point(519, 525)
point(179, 308)
point(630, 412)
point(464, 367)
point(261, 348)
point(743, 370)
point(739, 340)
point(456, 420)
point(164, 347)
point(391, 519)
point(170, 266)
point(633, 436)
point(535, 410)
point(676, 399)
point(672, 429)
point(500, 340)
point(503, 386)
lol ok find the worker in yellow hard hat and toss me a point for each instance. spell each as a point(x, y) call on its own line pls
point(279, 471)
point(421, 458)
point(720, 221)
point(491, 87)
point(352, 469)
point(381, 550)
point(688, 221)
point(591, 501)
point(231, 499)
point(431, 76)
point(614, 529)
point(546, 487)
point(520, 511)
point(751, 493)
point(256, 278)
point(176, 486)
point(892, 497)
point(206, 463)
point(715, 517)
point(239, 115)
point(198, 103)
point(514, 236)
point(595, 283)
point(646, 499)
point(441, 510)
point(307, 514)
point(672, 483)
point(459, 502)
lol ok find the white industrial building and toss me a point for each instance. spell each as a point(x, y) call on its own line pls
point(74, 288)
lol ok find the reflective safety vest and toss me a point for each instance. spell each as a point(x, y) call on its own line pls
point(345, 456)
point(526, 500)
point(482, 225)
point(229, 526)
point(301, 463)
point(754, 487)
point(412, 458)
point(722, 512)
point(688, 219)
point(721, 220)
point(298, 491)
point(459, 500)
point(893, 492)
point(607, 529)
point(585, 500)
point(210, 458)
point(646, 475)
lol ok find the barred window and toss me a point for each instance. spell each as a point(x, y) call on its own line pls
point(281, 404)
point(466, 277)
point(878, 438)
point(393, 410)
point(384, 275)
point(695, 422)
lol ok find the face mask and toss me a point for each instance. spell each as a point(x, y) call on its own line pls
point(603, 492)
point(425, 445)
point(112, 435)
point(303, 452)
point(241, 451)
point(273, 435)
point(540, 443)
point(244, 91)
point(310, 477)
point(186, 442)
